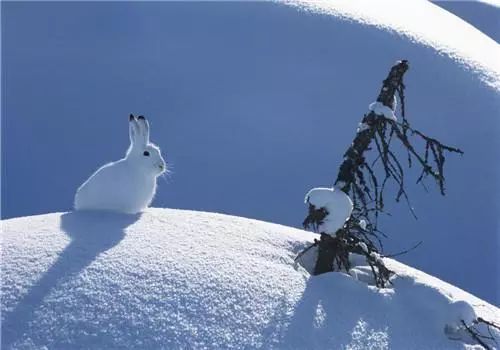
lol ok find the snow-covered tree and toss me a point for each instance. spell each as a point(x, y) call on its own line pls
point(346, 215)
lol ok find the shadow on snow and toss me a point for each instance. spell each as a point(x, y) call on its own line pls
point(91, 234)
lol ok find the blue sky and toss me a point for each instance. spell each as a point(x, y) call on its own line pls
point(252, 104)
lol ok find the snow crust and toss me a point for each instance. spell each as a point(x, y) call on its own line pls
point(336, 202)
point(380, 109)
point(174, 279)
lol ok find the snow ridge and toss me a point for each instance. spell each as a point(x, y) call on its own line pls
point(181, 279)
point(466, 45)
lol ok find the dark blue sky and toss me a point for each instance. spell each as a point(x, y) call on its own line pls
point(252, 103)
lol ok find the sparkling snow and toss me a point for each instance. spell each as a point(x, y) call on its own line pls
point(180, 279)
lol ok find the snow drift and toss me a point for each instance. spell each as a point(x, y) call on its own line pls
point(181, 279)
point(256, 97)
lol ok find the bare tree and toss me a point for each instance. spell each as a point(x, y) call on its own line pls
point(359, 179)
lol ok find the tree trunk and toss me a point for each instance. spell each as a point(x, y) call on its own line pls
point(328, 246)
point(353, 157)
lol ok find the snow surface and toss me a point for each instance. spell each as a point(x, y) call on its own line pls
point(337, 203)
point(483, 15)
point(495, 3)
point(252, 99)
point(380, 109)
point(447, 34)
point(181, 279)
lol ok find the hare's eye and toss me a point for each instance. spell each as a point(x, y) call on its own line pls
point(146, 153)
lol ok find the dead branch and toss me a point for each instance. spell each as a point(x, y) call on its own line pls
point(358, 178)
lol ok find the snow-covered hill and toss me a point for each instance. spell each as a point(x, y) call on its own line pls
point(445, 33)
point(182, 279)
point(256, 97)
point(483, 15)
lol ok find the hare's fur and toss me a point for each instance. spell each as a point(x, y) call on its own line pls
point(129, 184)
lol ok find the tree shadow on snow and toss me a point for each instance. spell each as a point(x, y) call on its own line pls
point(339, 312)
point(323, 308)
point(91, 234)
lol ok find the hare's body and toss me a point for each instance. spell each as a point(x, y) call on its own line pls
point(127, 185)
point(116, 187)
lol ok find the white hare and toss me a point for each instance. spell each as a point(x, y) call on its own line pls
point(129, 184)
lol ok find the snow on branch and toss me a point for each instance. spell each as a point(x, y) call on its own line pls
point(337, 208)
point(357, 177)
point(479, 335)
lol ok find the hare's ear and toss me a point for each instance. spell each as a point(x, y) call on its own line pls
point(133, 130)
point(144, 129)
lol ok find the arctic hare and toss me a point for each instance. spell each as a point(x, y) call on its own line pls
point(129, 184)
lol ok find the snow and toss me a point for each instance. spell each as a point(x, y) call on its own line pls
point(380, 109)
point(481, 15)
point(461, 311)
point(336, 202)
point(252, 99)
point(363, 246)
point(445, 33)
point(362, 127)
point(495, 3)
point(362, 224)
point(183, 279)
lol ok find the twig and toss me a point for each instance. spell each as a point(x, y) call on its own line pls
point(403, 252)
point(475, 336)
point(305, 250)
point(489, 323)
point(357, 178)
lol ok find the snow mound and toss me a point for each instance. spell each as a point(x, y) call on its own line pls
point(336, 202)
point(181, 279)
point(253, 93)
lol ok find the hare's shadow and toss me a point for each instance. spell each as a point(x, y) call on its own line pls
point(91, 234)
